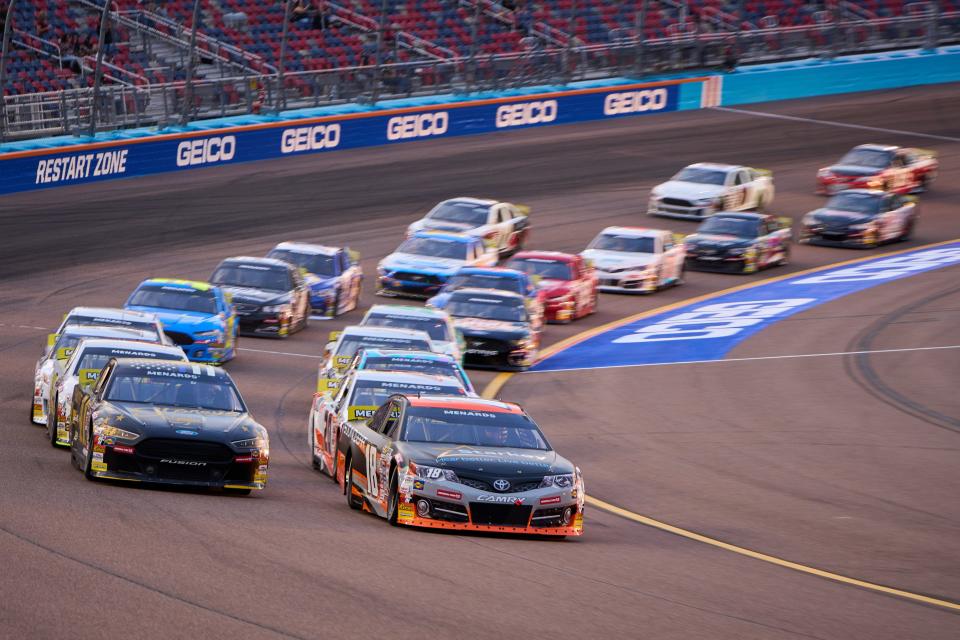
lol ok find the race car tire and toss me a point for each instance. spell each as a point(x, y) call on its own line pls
point(352, 502)
point(393, 500)
point(238, 492)
point(52, 422)
point(785, 258)
point(907, 232)
point(32, 421)
point(682, 276)
point(88, 459)
point(336, 304)
point(315, 461)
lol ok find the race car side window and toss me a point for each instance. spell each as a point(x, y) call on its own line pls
point(102, 381)
point(389, 426)
point(738, 179)
point(378, 418)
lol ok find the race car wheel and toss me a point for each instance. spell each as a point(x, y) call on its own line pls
point(681, 276)
point(393, 501)
point(907, 232)
point(238, 492)
point(785, 258)
point(52, 422)
point(88, 457)
point(352, 502)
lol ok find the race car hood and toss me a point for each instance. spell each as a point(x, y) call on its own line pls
point(320, 282)
point(245, 295)
point(688, 190)
point(476, 327)
point(171, 422)
point(838, 216)
point(720, 241)
point(605, 260)
point(554, 288)
point(443, 225)
point(176, 318)
point(505, 462)
point(854, 170)
point(404, 261)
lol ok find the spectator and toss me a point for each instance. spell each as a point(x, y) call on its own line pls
point(301, 12)
point(730, 57)
point(43, 24)
point(321, 16)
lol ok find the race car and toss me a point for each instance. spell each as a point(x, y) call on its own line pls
point(437, 364)
point(861, 218)
point(90, 316)
point(271, 297)
point(459, 463)
point(636, 260)
point(740, 242)
point(703, 189)
point(425, 260)
point(568, 282)
point(168, 423)
point(50, 365)
point(501, 225)
point(333, 274)
point(197, 316)
point(875, 166)
point(492, 278)
point(500, 331)
point(437, 324)
point(343, 345)
point(82, 369)
point(361, 393)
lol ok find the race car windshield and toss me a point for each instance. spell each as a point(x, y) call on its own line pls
point(418, 365)
point(368, 393)
point(475, 428)
point(547, 269)
point(321, 265)
point(730, 227)
point(485, 281)
point(96, 321)
point(351, 344)
point(174, 389)
point(461, 212)
point(506, 311)
point(253, 277)
point(856, 202)
point(436, 328)
point(873, 158)
point(435, 248)
point(626, 244)
point(701, 176)
point(177, 298)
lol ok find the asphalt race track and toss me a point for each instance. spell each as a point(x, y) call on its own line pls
point(844, 463)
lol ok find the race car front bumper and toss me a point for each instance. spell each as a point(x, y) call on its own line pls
point(827, 186)
point(497, 354)
point(260, 324)
point(208, 354)
point(722, 264)
point(630, 282)
point(426, 288)
point(846, 239)
point(560, 310)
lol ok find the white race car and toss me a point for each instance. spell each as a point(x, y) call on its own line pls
point(502, 225)
point(636, 260)
point(702, 189)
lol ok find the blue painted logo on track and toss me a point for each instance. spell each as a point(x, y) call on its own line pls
point(708, 330)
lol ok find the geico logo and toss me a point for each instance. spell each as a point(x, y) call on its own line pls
point(417, 126)
point(206, 150)
point(635, 101)
point(322, 136)
point(514, 115)
point(888, 267)
point(714, 320)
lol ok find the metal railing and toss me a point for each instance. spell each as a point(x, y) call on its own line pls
point(165, 104)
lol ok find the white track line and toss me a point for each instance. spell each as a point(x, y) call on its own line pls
point(282, 353)
point(832, 123)
point(783, 357)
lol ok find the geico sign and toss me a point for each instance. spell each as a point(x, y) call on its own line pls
point(635, 101)
point(206, 150)
point(888, 267)
point(322, 136)
point(718, 320)
point(417, 126)
point(514, 115)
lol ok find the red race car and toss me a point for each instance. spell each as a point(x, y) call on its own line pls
point(569, 282)
point(874, 166)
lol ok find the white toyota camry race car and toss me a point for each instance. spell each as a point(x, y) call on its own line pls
point(636, 260)
point(702, 189)
point(502, 226)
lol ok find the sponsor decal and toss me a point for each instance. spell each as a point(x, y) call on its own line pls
point(69, 168)
point(641, 101)
point(550, 500)
point(188, 432)
point(186, 463)
point(453, 495)
point(422, 125)
point(318, 138)
point(405, 512)
point(487, 497)
point(526, 113)
point(418, 485)
point(192, 153)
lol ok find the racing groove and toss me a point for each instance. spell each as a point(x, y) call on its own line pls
point(730, 453)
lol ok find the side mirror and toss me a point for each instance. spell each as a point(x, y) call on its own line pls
point(51, 340)
point(228, 297)
point(354, 256)
point(304, 272)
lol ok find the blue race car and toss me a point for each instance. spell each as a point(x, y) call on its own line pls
point(425, 260)
point(333, 274)
point(490, 278)
point(196, 315)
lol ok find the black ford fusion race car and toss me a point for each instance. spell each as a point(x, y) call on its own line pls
point(459, 463)
point(861, 218)
point(168, 423)
point(741, 242)
point(271, 297)
point(499, 329)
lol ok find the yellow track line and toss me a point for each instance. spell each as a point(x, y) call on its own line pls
point(495, 386)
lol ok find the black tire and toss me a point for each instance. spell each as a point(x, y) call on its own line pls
point(785, 260)
point(88, 461)
point(907, 234)
point(336, 304)
point(32, 421)
point(393, 501)
point(352, 502)
point(238, 492)
point(52, 423)
point(682, 276)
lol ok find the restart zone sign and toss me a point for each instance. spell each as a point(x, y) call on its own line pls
point(23, 171)
point(708, 330)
